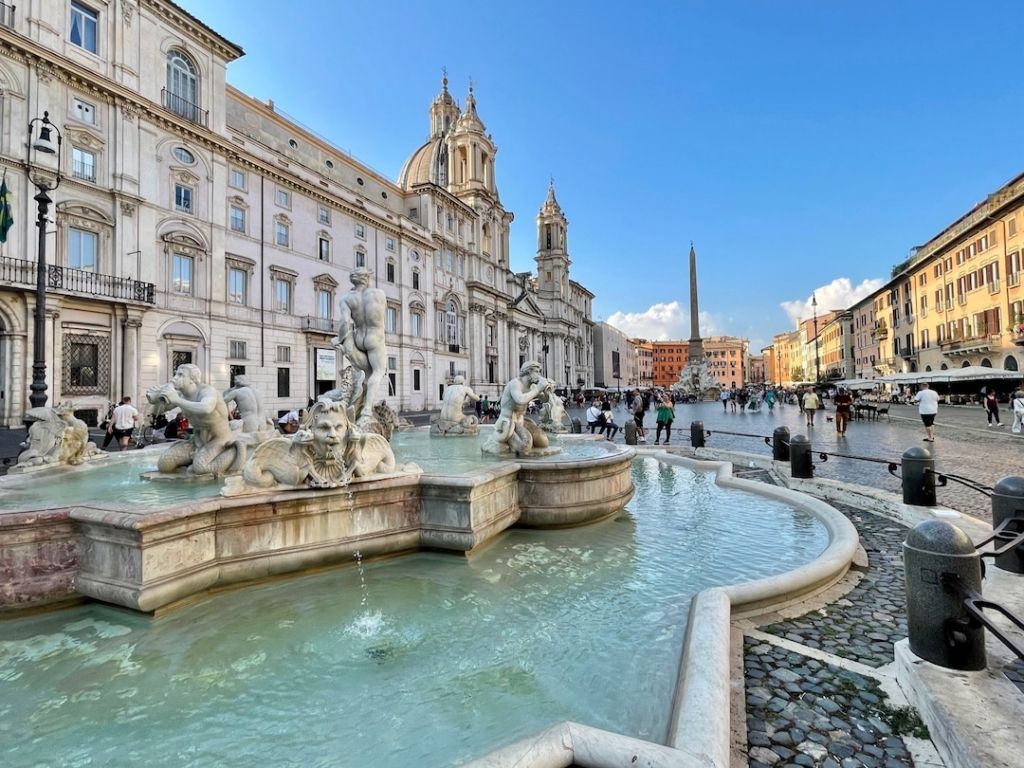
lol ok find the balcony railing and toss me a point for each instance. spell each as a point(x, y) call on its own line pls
point(86, 171)
point(960, 345)
point(184, 108)
point(318, 324)
point(6, 15)
point(20, 272)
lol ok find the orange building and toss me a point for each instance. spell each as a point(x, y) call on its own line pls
point(670, 358)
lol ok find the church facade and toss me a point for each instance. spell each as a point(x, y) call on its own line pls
point(194, 223)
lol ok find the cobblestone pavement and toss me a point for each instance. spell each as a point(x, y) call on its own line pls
point(865, 623)
point(805, 712)
point(963, 445)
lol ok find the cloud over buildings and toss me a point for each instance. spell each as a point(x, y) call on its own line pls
point(661, 322)
point(841, 293)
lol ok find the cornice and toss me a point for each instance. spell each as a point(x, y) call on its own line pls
point(186, 21)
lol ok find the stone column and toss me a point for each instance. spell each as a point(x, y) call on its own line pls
point(130, 361)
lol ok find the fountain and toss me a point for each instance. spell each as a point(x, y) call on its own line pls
point(451, 422)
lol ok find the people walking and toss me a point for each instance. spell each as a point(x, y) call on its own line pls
point(666, 415)
point(1018, 412)
point(927, 406)
point(724, 397)
point(844, 407)
point(992, 407)
point(811, 405)
point(126, 418)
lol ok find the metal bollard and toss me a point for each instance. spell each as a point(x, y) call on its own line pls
point(629, 432)
point(1008, 516)
point(938, 623)
point(577, 427)
point(697, 434)
point(800, 464)
point(918, 477)
point(780, 444)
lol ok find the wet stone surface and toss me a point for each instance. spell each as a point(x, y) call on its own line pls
point(864, 624)
point(1014, 671)
point(752, 473)
point(805, 712)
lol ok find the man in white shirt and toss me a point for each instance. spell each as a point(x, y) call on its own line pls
point(125, 419)
point(928, 405)
point(594, 420)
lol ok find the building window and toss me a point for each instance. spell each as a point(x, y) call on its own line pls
point(324, 214)
point(282, 295)
point(236, 350)
point(416, 323)
point(323, 248)
point(389, 243)
point(238, 281)
point(183, 198)
point(282, 234)
point(284, 354)
point(417, 384)
point(451, 320)
point(284, 198)
point(323, 304)
point(237, 219)
point(181, 273)
point(86, 369)
point(84, 111)
point(415, 279)
point(360, 258)
point(182, 86)
point(182, 155)
point(83, 248)
point(284, 382)
point(360, 231)
point(83, 164)
point(389, 271)
point(84, 25)
point(391, 320)
point(236, 179)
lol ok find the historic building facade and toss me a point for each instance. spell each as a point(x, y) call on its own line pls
point(196, 224)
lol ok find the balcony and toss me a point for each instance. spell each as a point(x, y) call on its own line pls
point(993, 287)
point(184, 108)
point(77, 281)
point(1013, 279)
point(960, 346)
point(880, 333)
point(324, 325)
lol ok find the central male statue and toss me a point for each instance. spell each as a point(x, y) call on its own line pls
point(512, 432)
point(361, 338)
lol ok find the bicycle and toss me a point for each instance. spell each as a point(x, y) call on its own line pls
point(144, 432)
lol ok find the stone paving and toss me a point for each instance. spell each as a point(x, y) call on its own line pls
point(805, 712)
point(865, 623)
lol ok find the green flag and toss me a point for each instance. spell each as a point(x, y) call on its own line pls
point(6, 219)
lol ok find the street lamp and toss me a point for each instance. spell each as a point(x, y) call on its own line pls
point(817, 364)
point(45, 183)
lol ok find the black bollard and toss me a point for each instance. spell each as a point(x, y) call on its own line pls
point(1008, 507)
point(697, 434)
point(780, 444)
point(629, 432)
point(800, 464)
point(577, 427)
point(919, 477)
point(939, 627)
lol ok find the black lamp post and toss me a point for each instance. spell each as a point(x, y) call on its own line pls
point(42, 144)
point(817, 364)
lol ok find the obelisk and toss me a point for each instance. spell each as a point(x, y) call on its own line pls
point(696, 350)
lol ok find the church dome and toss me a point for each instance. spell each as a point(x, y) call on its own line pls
point(425, 165)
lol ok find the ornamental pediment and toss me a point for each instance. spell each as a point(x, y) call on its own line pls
point(82, 138)
point(185, 177)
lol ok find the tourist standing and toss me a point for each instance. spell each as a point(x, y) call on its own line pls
point(992, 407)
point(844, 407)
point(638, 419)
point(666, 415)
point(126, 418)
point(811, 405)
point(1018, 411)
point(928, 406)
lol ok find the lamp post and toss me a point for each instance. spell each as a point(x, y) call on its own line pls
point(817, 364)
point(43, 144)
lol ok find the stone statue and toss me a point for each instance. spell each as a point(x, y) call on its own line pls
point(452, 421)
point(56, 436)
point(361, 338)
point(214, 448)
point(552, 411)
point(247, 401)
point(513, 432)
point(328, 451)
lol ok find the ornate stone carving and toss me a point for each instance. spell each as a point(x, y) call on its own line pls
point(127, 209)
point(55, 437)
point(129, 111)
point(451, 421)
point(127, 11)
point(513, 432)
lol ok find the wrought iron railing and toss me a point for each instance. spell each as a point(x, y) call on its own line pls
point(19, 271)
point(184, 108)
point(318, 324)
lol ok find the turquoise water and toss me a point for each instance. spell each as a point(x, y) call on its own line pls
point(426, 660)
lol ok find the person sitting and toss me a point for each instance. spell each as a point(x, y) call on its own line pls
point(594, 418)
point(177, 428)
point(289, 423)
point(610, 428)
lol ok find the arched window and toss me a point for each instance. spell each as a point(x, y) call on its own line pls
point(451, 320)
point(182, 86)
point(1010, 364)
point(986, 363)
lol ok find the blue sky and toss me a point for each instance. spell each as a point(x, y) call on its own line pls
point(801, 144)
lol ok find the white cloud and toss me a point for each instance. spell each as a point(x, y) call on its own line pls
point(662, 322)
point(839, 294)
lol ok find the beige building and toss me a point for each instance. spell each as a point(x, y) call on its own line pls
point(616, 364)
point(727, 360)
point(645, 362)
point(196, 224)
